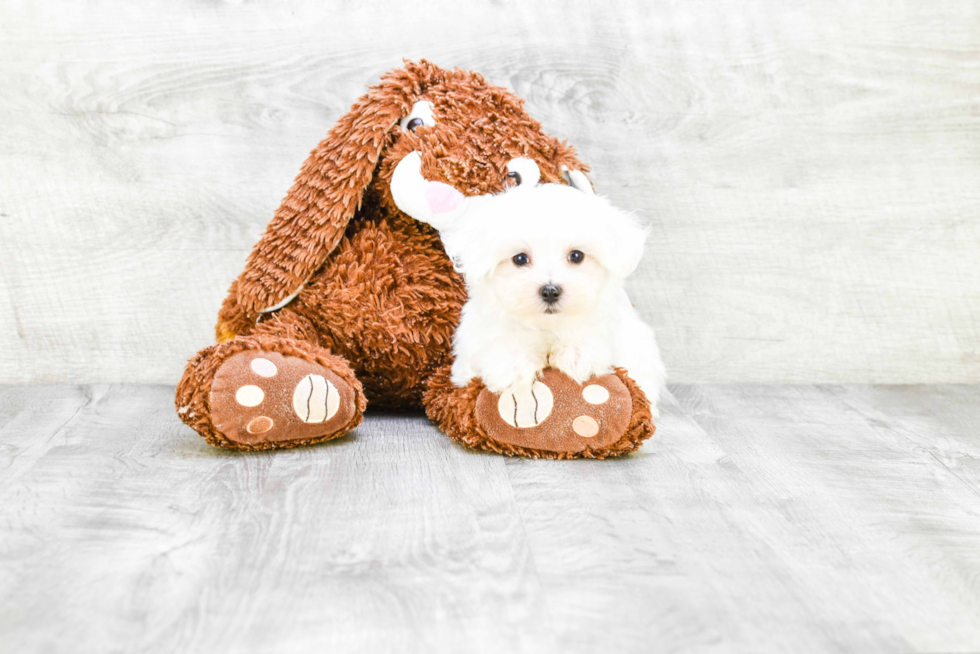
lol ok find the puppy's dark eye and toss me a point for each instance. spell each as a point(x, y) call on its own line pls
point(414, 124)
point(576, 256)
point(521, 260)
point(512, 178)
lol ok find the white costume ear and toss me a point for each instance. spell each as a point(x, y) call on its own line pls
point(577, 179)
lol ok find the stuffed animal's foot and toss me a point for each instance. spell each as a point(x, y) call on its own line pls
point(265, 397)
point(556, 417)
point(259, 392)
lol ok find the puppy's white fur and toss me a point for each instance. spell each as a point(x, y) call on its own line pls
point(507, 335)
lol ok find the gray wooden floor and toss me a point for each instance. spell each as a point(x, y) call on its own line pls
point(763, 518)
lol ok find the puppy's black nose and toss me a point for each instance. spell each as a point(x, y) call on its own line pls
point(550, 293)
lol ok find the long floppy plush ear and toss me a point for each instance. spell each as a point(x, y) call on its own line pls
point(326, 194)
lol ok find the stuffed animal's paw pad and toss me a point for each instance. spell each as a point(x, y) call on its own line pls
point(263, 397)
point(249, 395)
point(595, 394)
point(528, 408)
point(263, 367)
point(259, 425)
point(560, 415)
point(585, 426)
point(315, 399)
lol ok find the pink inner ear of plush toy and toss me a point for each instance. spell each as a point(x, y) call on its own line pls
point(442, 197)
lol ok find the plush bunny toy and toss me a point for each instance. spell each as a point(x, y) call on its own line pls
point(349, 297)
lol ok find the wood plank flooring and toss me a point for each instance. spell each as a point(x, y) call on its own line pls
point(762, 518)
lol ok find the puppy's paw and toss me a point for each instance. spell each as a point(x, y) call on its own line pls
point(462, 372)
point(579, 363)
point(509, 376)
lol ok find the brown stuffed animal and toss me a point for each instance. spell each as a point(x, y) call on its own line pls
point(347, 298)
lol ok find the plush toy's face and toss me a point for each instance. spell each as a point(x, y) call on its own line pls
point(464, 139)
point(424, 142)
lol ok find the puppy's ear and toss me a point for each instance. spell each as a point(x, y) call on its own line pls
point(622, 241)
point(324, 197)
point(470, 251)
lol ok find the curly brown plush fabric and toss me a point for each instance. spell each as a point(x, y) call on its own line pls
point(378, 299)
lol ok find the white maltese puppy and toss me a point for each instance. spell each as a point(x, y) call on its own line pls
point(544, 266)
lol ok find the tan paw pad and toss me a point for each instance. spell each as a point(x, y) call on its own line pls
point(585, 426)
point(259, 425)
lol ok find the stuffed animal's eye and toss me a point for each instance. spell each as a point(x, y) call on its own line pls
point(421, 114)
point(522, 172)
point(576, 256)
point(521, 259)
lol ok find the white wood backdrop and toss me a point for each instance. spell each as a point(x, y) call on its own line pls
point(811, 170)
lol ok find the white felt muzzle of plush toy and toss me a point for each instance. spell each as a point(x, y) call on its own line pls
point(441, 205)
